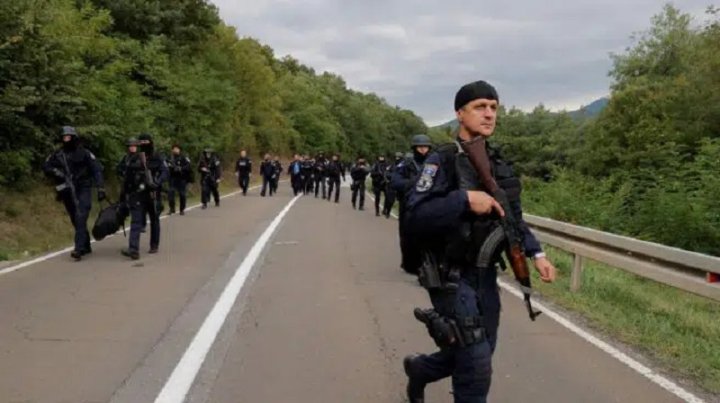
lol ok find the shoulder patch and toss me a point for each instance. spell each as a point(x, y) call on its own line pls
point(92, 156)
point(425, 182)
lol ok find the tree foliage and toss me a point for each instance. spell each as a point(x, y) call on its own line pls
point(117, 68)
point(647, 166)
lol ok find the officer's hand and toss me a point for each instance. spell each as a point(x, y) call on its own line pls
point(483, 203)
point(546, 269)
point(101, 194)
point(58, 173)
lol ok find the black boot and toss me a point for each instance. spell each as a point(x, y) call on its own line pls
point(415, 388)
point(133, 254)
point(76, 254)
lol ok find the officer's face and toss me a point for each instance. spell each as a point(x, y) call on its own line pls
point(132, 149)
point(423, 150)
point(243, 153)
point(478, 117)
point(176, 151)
point(66, 138)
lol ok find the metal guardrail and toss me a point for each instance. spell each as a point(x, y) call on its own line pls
point(689, 271)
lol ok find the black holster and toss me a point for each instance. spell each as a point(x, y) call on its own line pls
point(448, 332)
point(436, 275)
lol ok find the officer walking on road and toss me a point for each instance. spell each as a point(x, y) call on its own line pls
point(277, 171)
point(73, 170)
point(390, 195)
point(379, 182)
point(243, 170)
point(450, 212)
point(295, 172)
point(402, 181)
point(320, 173)
point(266, 172)
point(359, 174)
point(334, 171)
point(145, 172)
point(306, 167)
point(180, 175)
point(210, 176)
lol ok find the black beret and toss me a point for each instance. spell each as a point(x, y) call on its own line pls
point(472, 91)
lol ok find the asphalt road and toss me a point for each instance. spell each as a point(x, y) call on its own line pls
point(324, 315)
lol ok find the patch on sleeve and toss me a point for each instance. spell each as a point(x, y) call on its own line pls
point(425, 182)
point(92, 156)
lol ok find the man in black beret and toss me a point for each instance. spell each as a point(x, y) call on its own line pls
point(452, 214)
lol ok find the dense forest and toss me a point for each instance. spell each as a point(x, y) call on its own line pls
point(117, 68)
point(649, 164)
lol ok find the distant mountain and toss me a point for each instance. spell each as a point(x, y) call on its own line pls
point(591, 110)
point(587, 111)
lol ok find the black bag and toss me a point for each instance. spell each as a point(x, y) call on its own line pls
point(109, 220)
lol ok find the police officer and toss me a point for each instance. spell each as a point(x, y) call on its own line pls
point(73, 170)
point(306, 167)
point(277, 171)
point(319, 172)
point(210, 176)
point(180, 175)
point(132, 145)
point(451, 213)
point(266, 172)
point(402, 180)
point(145, 172)
point(378, 175)
point(121, 168)
point(390, 195)
point(334, 170)
point(243, 170)
point(359, 174)
point(295, 172)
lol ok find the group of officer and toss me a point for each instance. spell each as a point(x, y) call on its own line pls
point(143, 172)
point(446, 215)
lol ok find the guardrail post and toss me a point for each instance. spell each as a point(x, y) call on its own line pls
point(576, 276)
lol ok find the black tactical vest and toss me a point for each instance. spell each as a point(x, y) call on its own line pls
point(464, 245)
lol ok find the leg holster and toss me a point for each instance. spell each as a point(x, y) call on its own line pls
point(449, 332)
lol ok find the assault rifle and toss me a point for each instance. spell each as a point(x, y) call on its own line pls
point(509, 229)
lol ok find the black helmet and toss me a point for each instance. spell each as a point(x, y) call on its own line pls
point(421, 140)
point(208, 150)
point(132, 141)
point(399, 155)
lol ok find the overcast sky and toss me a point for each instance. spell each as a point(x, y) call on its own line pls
point(417, 53)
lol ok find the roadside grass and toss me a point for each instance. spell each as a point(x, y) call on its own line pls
point(677, 330)
point(33, 223)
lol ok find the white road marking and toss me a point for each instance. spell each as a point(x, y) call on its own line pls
point(183, 376)
point(656, 378)
point(643, 370)
point(51, 255)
